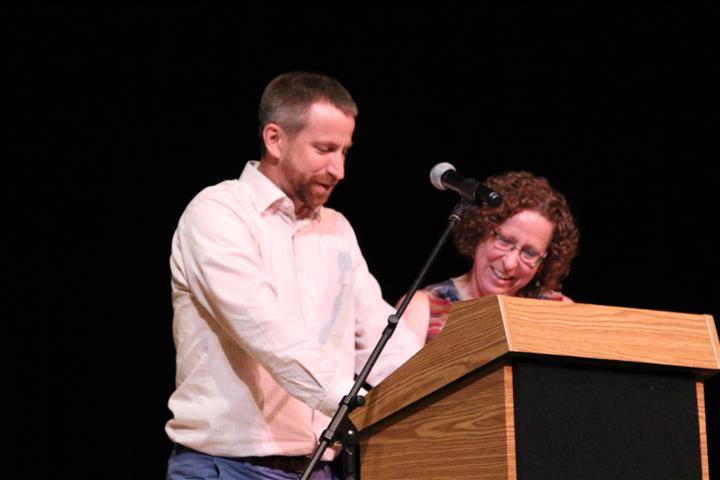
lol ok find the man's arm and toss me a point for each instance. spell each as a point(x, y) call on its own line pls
point(371, 319)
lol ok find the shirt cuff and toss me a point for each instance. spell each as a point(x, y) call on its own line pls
point(331, 402)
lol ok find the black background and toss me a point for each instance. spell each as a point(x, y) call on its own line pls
point(119, 116)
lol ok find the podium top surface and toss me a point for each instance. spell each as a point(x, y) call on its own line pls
point(606, 333)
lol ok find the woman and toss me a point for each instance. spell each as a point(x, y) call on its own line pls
point(522, 248)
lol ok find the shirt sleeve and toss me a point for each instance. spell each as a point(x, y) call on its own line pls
point(372, 313)
point(224, 272)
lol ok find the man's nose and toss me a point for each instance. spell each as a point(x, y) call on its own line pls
point(336, 167)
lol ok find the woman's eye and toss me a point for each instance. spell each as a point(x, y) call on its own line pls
point(529, 254)
point(504, 241)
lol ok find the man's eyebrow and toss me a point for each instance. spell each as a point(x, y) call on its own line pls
point(330, 143)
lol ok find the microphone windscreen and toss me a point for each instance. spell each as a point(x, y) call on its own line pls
point(437, 172)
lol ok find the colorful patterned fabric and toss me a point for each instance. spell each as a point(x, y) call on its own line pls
point(441, 296)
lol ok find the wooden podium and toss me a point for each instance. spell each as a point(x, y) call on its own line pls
point(520, 388)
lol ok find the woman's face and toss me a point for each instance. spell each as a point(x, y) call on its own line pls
point(497, 271)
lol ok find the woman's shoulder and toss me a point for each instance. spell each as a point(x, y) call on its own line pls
point(446, 290)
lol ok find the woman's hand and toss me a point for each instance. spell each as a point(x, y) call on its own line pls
point(554, 295)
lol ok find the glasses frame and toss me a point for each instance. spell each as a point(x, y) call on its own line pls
point(513, 246)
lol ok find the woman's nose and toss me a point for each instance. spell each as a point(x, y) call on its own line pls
point(511, 259)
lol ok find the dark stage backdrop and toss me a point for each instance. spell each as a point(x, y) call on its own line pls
point(118, 117)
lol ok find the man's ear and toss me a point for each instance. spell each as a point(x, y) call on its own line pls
point(274, 137)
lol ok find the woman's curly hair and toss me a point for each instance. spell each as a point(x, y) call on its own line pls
point(525, 191)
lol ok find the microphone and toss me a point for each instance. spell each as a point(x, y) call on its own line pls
point(443, 176)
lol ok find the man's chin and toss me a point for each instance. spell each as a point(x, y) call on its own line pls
point(319, 202)
point(315, 200)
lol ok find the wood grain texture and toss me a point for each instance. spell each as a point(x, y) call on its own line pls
point(610, 333)
point(459, 432)
point(700, 392)
point(710, 321)
point(473, 337)
point(510, 423)
point(482, 330)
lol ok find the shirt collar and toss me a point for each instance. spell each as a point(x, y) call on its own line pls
point(268, 196)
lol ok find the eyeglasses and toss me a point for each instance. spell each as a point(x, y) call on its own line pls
point(527, 255)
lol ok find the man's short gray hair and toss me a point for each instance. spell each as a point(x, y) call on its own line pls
point(288, 97)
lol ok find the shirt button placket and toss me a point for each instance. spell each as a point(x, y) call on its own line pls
point(303, 300)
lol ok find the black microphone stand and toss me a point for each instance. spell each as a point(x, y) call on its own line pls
point(340, 426)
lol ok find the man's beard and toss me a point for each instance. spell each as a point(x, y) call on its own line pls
point(308, 193)
point(305, 190)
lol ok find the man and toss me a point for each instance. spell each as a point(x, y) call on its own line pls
point(274, 307)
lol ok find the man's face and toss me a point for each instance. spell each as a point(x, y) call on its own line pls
point(313, 160)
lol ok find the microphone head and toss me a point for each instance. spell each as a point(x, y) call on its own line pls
point(437, 172)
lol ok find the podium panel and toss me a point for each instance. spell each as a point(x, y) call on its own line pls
point(462, 431)
point(599, 422)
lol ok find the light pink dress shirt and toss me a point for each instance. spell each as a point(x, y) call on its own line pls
point(272, 316)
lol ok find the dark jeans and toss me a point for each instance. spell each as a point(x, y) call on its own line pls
point(186, 464)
